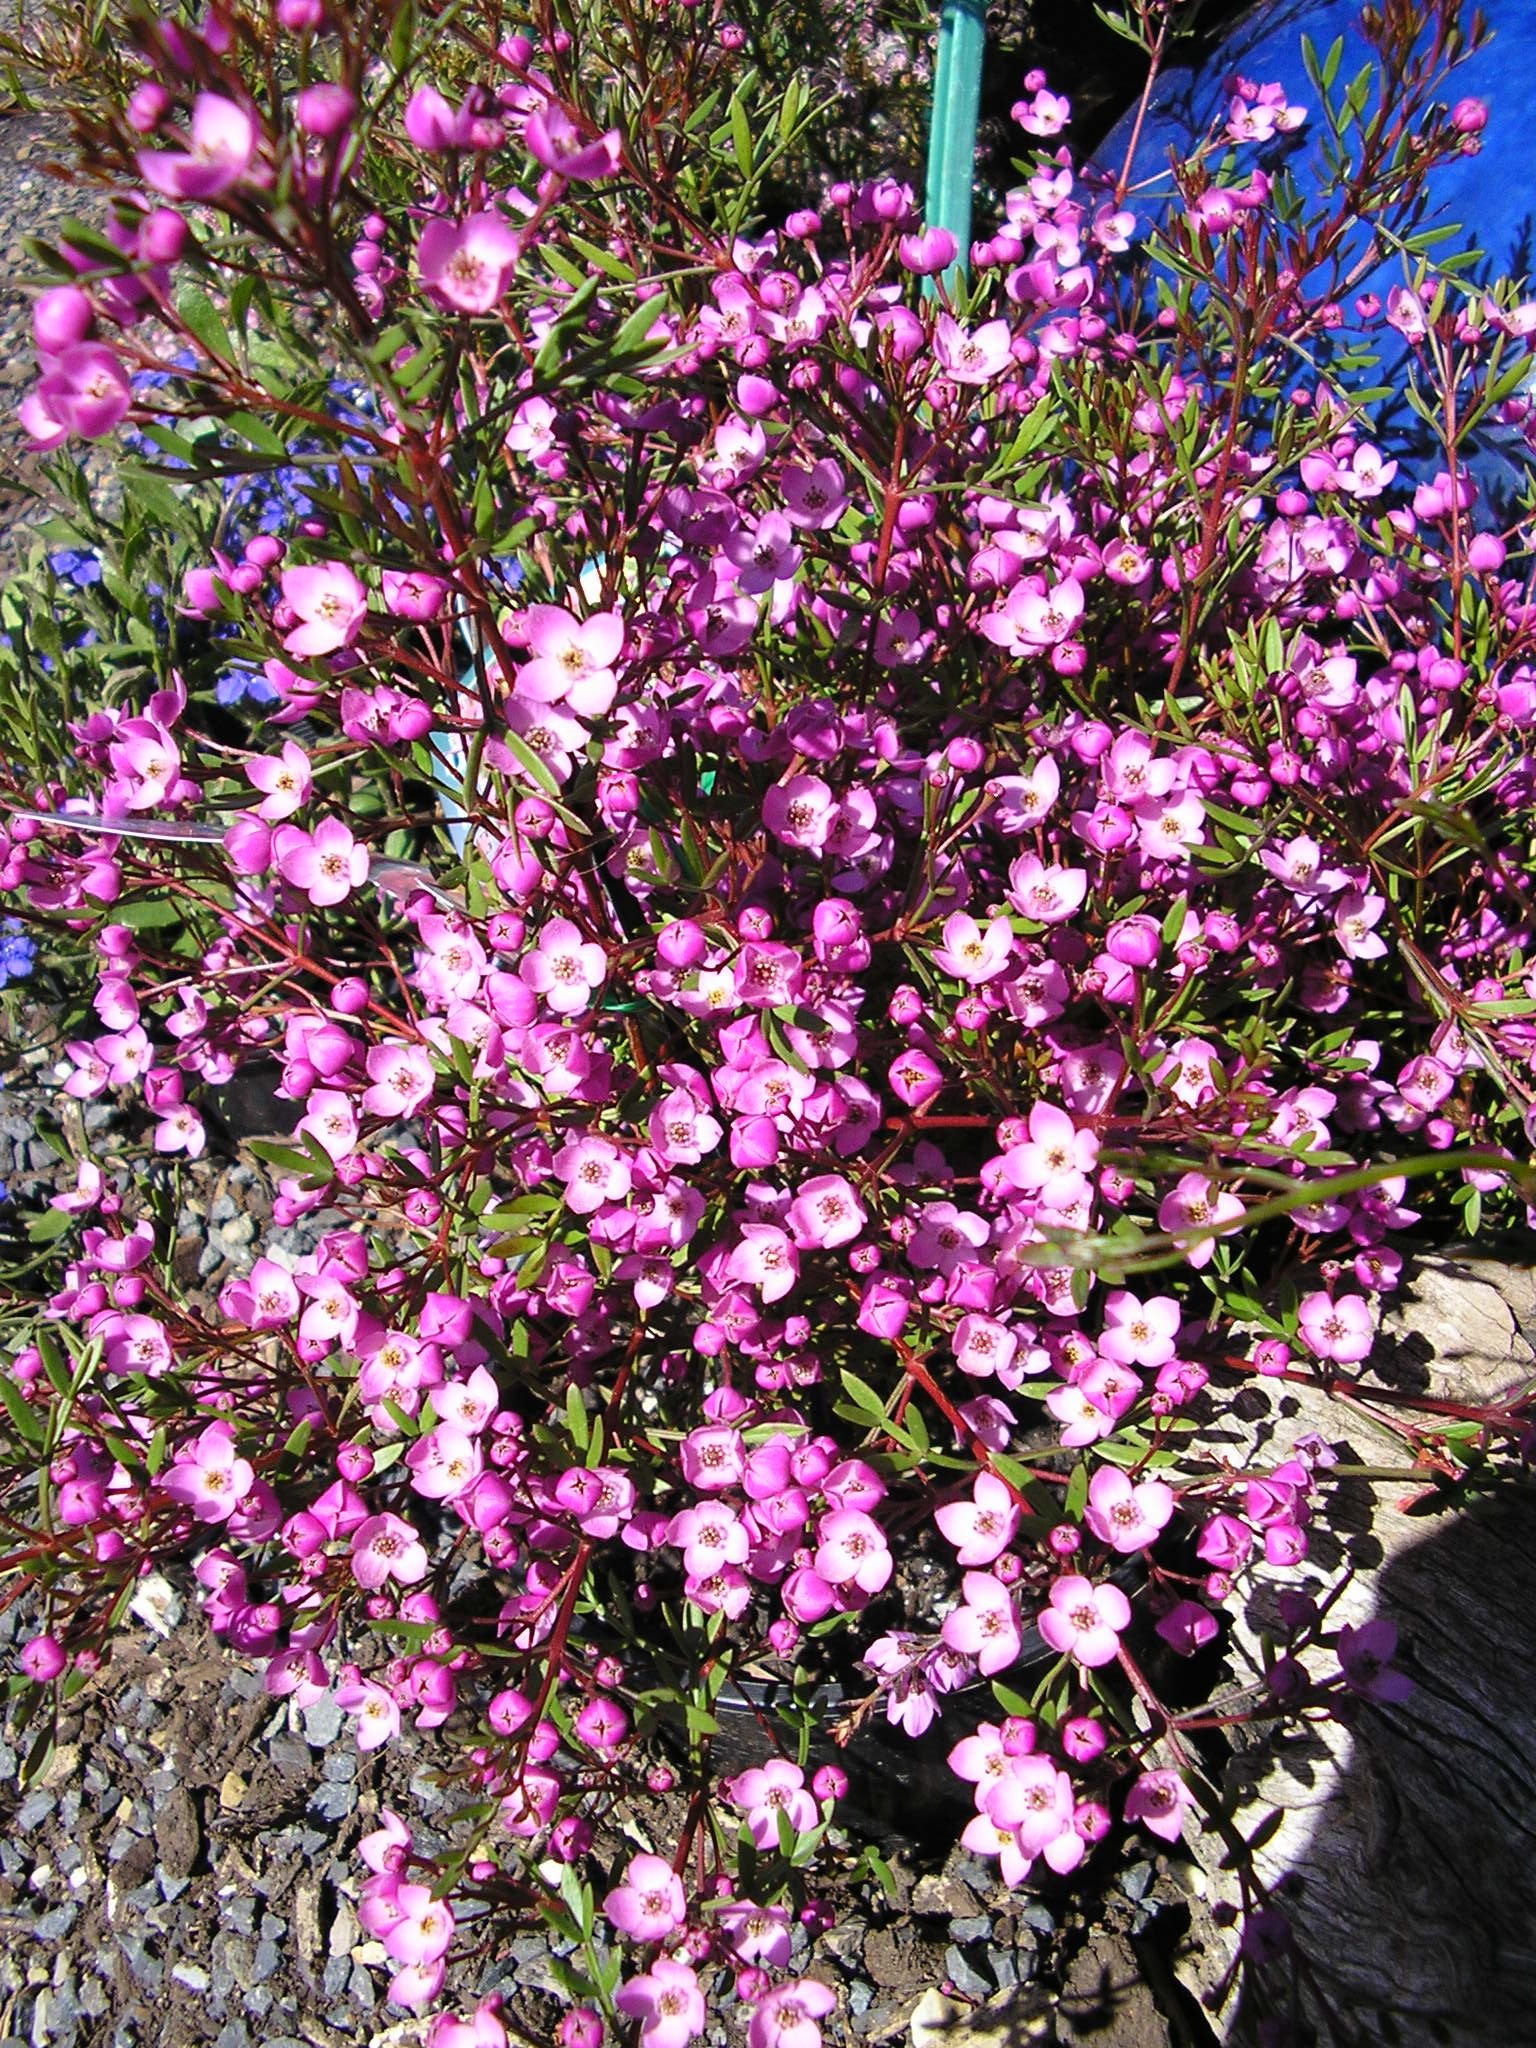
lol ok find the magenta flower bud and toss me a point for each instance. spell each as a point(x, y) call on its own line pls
point(1083, 1738)
point(756, 396)
point(146, 108)
point(1064, 1540)
point(324, 110)
point(509, 1711)
point(304, 1534)
point(830, 1784)
point(43, 1659)
point(1272, 1355)
point(1485, 553)
point(297, 16)
point(659, 1779)
point(580, 2027)
point(803, 225)
point(61, 317)
point(927, 252)
point(1133, 941)
point(1469, 117)
point(680, 945)
point(162, 235)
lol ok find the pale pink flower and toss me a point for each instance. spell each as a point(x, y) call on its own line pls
point(378, 1715)
point(987, 1626)
point(983, 1346)
point(1341, 1330)
point(220, 151)
point(1355, 918)
point(564, 968)
point(765, 1259)
point(329, 603)
point(815, 497)
point(444, 1463)
point(84, 391)
point(594, 1172)
point(1158, 1800)
point(1032, 1801)
point(385, 1547)
point(327, 864)
point(286, 781)
point(826, 1212)
point(573, 659)
point(424, 1929)
point(787, 2017)
point(971, 954)
point(667, 2002)
point(556, 142)
point(1124, 1516)
point(1084, 1621)
point(331, 1119)
point(1045, 895)
point(1196, 1206)
point(982, 1527)
point(468, 264)
point(1139, 1332)
point(400, 1076)
point(851, 1550)
point(208, 1477)
point(969, 358)
point(763, 1793)
point(649, 1904)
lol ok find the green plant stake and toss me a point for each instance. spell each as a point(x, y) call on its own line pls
point(952, 129)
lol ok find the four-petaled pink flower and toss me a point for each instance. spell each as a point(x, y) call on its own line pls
point(556, 142)
point(384, 1547)
point(377, 1711)
point(987, 1626)
point(1084, 1621)
point(1157, 1800)
point(327, 864)
point(971, 954)
point(765, 1792)
point(1124, 1516)
point(469, 264)
point(285, 782)
point(982, 1527)
point(208, 1477)
point(594, 1172)
point(825, 1213)
point(400, 1078)
point(573, 659)
point(221, 149)
point(666, 2001)
point(329, 604)
point(564, 968)
point(1342, 1330)
point(649, 1904)
point(851, 1550)
point(787, 2017)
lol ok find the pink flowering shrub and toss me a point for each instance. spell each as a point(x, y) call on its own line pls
point(865, 897)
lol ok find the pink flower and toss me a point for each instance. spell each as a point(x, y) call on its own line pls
point(327, 864)
point(1341, 1330)
point(85, 391)
point(762, 1794)
point(409, 594)
point(329, 603)
point(385, 1547)
point(208, 1477)
point(1195, 1205)
point(1126, 1517)
point(764, 1259)
point(972, 358)
point(1084, 1621)
point(594, 1172)
point(971, 954)
point(401, 1076)
point(468, 265)
point(286, 782)
point(851, 1550)
point(221, 149)
point(378, 1715)
point(572, 659)
point(1157, 1800)
point(564, 968)
point(666, 2001)
point(980, 1528)
point(984, 1347)
point(649, 1904)
point(1139, 1332)
point(815, 497)
point(825, 1213)
point(757, 1934)
point(787, 2017)
point(1365, 1656)
point(987, 1626)
point(424, 1929)
point(556, 142)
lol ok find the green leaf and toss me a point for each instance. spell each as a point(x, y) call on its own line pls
point(203, 320)
point(1077, 1493)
